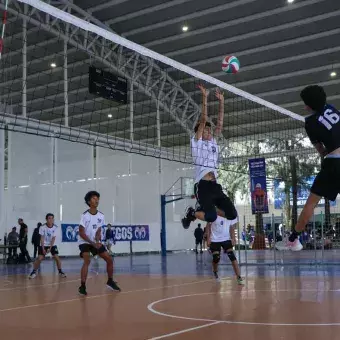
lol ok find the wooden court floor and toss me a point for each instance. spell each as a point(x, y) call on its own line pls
point(170, 307)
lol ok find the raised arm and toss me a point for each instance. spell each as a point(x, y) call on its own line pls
point(204, 114)
point(219, 127)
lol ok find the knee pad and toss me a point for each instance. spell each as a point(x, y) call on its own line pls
point(231, 256)
point(210, 216)
point(216, 257)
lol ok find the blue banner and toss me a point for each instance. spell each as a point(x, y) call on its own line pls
point(121, 233)
point(258, 185)
point(69, 232)
point(302, 195)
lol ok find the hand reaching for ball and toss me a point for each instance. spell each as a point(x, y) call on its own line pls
point(219, 95)
point(204, 91)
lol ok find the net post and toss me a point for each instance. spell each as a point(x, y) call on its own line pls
point(322, 238)
point(314, 238)
point(274, 235)
point(245, 242)
point(163, 225)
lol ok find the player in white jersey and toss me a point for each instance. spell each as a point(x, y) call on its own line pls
point(323, 129)
point(205, 152)
point(221, 234)
point(47, 234)
point(90, 228)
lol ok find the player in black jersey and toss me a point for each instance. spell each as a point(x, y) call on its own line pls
point(323, 130)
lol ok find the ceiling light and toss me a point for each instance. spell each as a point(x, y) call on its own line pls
point(185, 28)
point(109, 115)
point(333, 74)
point(290, 1)
point(53, 65)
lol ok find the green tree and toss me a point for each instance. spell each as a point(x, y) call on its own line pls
point(235, 179)
point(293, 171)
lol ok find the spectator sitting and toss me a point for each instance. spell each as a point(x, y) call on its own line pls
point(13, 240)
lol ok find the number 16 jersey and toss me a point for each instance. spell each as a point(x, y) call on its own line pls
point(324, 128)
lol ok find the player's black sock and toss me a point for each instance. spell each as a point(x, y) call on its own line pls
point(83, 283)
point(60, 271)
point(293, 236)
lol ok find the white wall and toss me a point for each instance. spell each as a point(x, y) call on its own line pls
point(74, 170)
point(30, 193)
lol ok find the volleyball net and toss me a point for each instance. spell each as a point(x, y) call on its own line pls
point(68, 75)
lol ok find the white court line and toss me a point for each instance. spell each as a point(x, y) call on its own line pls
point(185, 331)
point(43, 285)
point(7, 283)
point(102, 295)
point(152, 310)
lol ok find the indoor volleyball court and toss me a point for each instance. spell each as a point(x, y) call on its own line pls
point(156, 157)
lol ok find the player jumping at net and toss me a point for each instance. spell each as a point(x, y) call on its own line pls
point(221, 234)
point(323, 130)
point(205, 152)
point(90, 228)
point(47, 234)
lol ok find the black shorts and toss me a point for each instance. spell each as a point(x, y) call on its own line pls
point(327, 182)
point(54, 250)
point(210, 195)
point(89, 248)
point(216, 246)
point(199, 242)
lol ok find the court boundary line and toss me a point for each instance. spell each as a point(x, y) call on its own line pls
point(42, 285)
point(150, 307)
point(102, 295)
point(187, 330)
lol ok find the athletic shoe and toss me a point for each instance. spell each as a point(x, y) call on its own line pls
point(62, 274)
point(33, 275)
point(188, 217)
point(293, 246)
point(217, 278)
point(82, 290)
point(240, 281)
point(112, 285)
